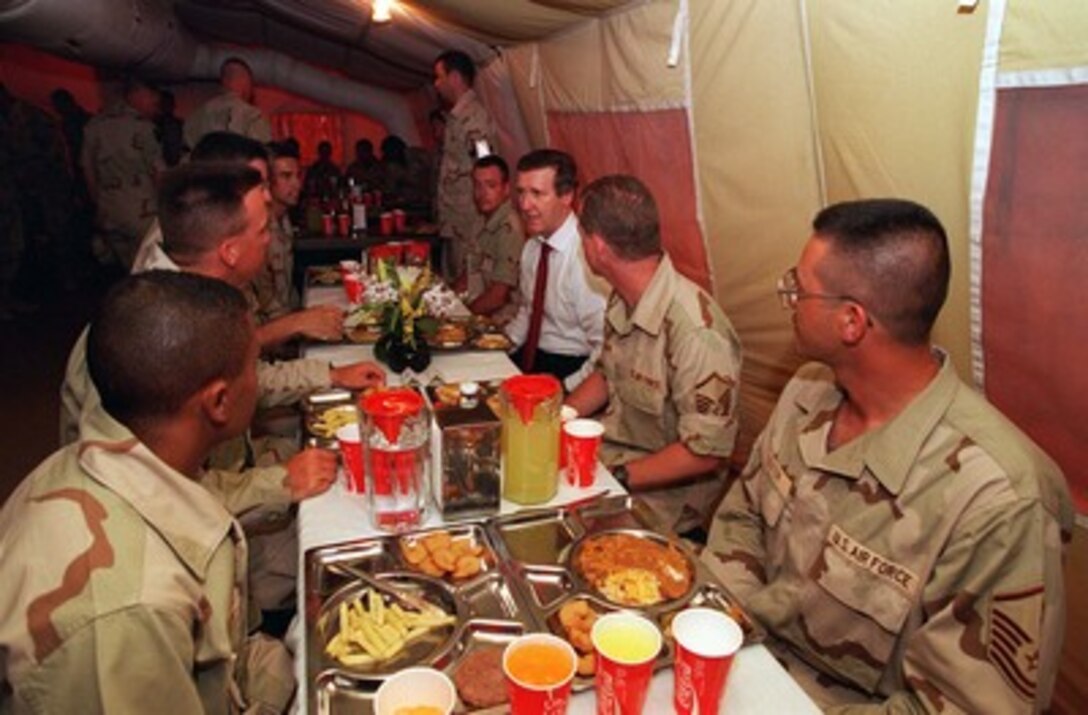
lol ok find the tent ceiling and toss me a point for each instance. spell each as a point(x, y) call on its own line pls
point(163, 38)
point(338, 34)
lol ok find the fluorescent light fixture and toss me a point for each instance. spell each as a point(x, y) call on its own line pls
point(382, 11)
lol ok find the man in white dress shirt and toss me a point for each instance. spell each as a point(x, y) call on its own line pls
point(559, 325)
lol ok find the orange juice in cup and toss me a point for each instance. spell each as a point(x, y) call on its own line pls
point(539, 668)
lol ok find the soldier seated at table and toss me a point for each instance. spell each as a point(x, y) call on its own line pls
point(493, 260)
point(276, 323)
point(123, 579)
point(900, 539)
point(670, 368)
point(215, 223)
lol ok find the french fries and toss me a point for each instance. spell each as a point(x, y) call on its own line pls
point(378, 631)
point(333, 419)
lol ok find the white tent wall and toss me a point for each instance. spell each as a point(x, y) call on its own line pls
point(795, 104)
point(757, 168)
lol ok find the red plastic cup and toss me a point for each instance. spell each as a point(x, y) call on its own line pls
point(706, 641)
point(539, 669)
point(387, 223)
point(343, 224)
point(583, 442)
point(353, 287)
point(328, 224)
point(566, 414)
point(400, 220)
point(348, 266)
point(351, 456)
point(627, 646)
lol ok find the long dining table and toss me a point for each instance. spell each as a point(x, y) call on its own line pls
point(757, 682)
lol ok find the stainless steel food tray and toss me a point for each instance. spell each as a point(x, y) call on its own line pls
point(526, 580)
point(537, 547)
point(488, 608)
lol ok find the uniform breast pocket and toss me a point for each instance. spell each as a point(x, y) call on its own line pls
point(642, 409)
point(856, 607)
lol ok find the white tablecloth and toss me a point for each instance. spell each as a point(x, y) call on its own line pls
point(757, 683)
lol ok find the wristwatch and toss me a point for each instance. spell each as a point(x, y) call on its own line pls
point(619, 473)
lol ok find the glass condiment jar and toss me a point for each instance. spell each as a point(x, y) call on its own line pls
point(396, 443)
point(530, 433)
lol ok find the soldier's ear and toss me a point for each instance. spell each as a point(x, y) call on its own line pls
point(229, 251)
point(215, 402)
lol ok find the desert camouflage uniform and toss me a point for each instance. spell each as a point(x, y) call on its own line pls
point(673, 369)
point(272, 288)
point(122, 155)
point(919, 563)
point(123, 583)
point(238, 490)
point(227, 112)
point(494, 256)
point(458, 218)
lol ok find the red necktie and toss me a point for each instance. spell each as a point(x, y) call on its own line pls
point(528, 353)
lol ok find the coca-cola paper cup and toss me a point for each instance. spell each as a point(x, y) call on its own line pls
point(706, 641)
point(583, 442)
point(566, 414)
point(627, 646)
point(539, 669)
point(351, 456)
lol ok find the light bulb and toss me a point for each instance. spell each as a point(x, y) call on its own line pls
point(382, 11)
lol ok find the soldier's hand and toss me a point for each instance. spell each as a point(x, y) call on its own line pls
point(310, 472)
point(358, 376)
point(322, 322)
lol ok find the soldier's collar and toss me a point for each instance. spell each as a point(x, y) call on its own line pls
point(185, 514)
point(653, 306)
point(890, 451)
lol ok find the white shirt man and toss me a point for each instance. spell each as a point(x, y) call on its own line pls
point(572, 326)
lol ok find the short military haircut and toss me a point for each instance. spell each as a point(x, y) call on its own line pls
point(282, 150)
point(160, 337)
point(131, 84)
point(566, 171)
point(232, 65)
point(892, 255)
point(496, 161)
point(201, 204)
point(459, 62)
point(622, 211)
point(228, 146)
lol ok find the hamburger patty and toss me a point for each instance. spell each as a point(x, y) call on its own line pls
point(479, 677)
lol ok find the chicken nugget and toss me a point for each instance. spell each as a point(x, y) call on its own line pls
point(429, 567)
point(445, 559)
point(436, 541)
point(587, 664)
point(413, 551)
point(467, 565)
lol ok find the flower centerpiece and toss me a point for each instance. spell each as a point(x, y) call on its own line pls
point(407, 302)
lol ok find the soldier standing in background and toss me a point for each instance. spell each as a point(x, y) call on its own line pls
point(365, 171)
point(75, 249)
point(168, 129)
point(231, 110)
point(470, 134)
point(42, 191)
point(900, 539)
point(121, 162)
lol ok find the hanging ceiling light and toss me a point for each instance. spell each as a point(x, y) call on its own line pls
point(382, 11)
